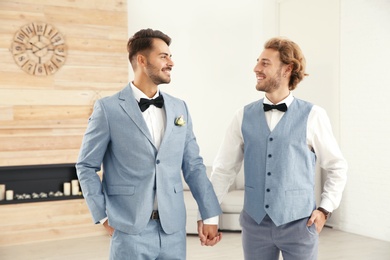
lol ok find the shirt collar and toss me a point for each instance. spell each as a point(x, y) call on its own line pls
point(288, 100)
point(138, 94)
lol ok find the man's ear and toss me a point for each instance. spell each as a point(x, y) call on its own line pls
point(141, 60)
point(288, 69)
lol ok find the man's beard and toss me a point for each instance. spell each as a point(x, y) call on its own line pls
point(153, 73)
point(270, 84)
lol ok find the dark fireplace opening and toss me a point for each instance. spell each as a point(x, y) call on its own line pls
point(27, 182)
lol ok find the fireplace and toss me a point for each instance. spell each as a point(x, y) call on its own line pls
point(32, 180)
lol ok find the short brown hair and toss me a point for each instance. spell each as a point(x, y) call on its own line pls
point(289, 53)
point(143, 41)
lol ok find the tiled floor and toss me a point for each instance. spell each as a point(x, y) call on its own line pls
point(334, 245)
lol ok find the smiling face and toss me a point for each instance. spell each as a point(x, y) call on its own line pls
point(159, 63)
point(268, 71)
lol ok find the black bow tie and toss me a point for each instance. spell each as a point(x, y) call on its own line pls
point(145, 103)
point(281, 107)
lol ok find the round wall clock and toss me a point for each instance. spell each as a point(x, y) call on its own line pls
point(39, 49)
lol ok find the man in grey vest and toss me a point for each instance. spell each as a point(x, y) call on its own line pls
point(280, 139)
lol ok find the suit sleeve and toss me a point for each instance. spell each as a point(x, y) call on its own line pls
point(89, 162)
point(195, 175)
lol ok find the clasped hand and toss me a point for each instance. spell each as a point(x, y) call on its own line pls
point(208, 234)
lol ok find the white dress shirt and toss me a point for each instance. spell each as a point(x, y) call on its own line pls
point(155, 119)
point(320, 139)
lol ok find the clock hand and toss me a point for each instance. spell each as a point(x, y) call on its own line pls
point(39, 49)
point(35, 46)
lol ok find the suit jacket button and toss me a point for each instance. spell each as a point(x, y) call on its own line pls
point(158, 161)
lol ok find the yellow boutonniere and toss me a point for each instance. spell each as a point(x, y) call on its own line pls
point(180, 121)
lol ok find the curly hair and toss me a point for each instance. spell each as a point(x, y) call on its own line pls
point(143, 41)
point(289, 53)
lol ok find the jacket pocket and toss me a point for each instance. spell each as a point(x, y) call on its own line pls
point(120, 190)
point(178, 187)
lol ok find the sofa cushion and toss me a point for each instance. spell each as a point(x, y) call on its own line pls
point(233, 202)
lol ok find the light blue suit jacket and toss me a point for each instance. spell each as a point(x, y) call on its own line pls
point(134, 170)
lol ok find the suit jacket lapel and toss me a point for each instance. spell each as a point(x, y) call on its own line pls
point(129, 104)
point(170, 116)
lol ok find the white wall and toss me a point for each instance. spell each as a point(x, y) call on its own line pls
point(215, 45)
point(365, 115)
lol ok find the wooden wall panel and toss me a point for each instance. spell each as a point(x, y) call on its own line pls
point(45, 221)
point(43, 119)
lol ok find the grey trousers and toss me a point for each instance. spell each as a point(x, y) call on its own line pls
point(266, 241)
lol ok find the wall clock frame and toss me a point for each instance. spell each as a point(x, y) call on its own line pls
point(39, 49)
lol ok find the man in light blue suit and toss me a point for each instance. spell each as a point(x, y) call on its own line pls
point(144, 141)
point(280, 139)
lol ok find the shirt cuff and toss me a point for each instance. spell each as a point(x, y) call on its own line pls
point(209, 221)
point(326, 204)
point(103, 220)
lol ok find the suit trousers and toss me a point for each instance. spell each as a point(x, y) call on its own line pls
point(151, 244)
point(265, 241)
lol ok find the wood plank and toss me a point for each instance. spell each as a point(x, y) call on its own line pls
point(91, 74)
point(15, 79)
point(42, 132)
point(38, 214)
point(20, 5)
point(59, 233)
point(104, 45)
point(75, 15)
point(7, 58)
point(18, 80)
point(98, 59)
point(111, 87)
point(6, 113)
point(23, 97)
point(38, 157)
point(45, 221)
point(50, 112)
point(37, 124)
point(36, 143)
point(101, 31)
